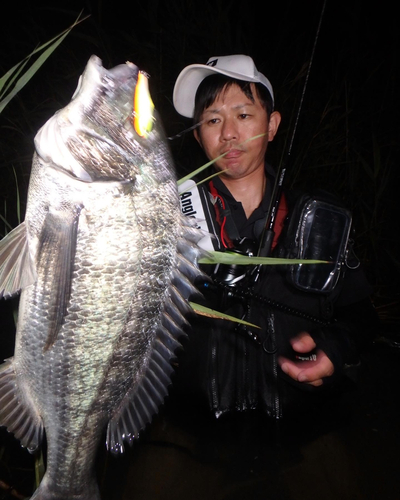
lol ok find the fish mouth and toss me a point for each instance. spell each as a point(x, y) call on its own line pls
point(124, 72)
point(96, 74)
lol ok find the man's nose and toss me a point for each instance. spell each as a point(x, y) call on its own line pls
point(229, 130)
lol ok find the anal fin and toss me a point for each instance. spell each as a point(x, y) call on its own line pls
point(17, 413)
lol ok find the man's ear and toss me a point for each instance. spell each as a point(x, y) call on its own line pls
point(273, 125)
point(197, 137)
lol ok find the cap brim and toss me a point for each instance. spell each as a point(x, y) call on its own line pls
point(186, 86)
point(188, 82)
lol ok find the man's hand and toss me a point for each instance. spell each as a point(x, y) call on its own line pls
point(308, 371)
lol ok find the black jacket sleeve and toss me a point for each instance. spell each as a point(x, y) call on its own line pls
point(354, 327)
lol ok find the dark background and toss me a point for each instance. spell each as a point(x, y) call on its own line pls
point(348, 132)
point(347, 135)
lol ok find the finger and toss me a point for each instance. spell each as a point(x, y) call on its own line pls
point(311, 372)
point(303, 343)
point(321, 369)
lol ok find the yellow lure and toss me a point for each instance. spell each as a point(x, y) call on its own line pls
point(142, 107)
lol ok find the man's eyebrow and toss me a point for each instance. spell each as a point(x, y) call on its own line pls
point(244, 105)
point(213, 110)
point(238, 106)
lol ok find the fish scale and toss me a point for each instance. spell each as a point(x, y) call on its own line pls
point(104, 279)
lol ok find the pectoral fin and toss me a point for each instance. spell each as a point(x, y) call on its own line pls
point(17, 270)
point(55, 263)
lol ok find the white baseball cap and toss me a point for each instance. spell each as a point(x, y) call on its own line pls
point(236, 66)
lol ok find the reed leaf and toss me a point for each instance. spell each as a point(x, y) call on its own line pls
point(208, 164)
point(11, 81)
point(212, 313)
point(232, 258)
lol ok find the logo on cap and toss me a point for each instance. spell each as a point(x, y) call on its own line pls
point(212, 63)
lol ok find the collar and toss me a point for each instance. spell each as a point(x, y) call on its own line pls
point(220, 186)
point(238, 224)
point(264, 206)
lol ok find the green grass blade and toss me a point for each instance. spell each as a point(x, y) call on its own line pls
point(40, 468)
point(3, 219)
point(200, 169)
point(206, 165)
point(211, 313)
point(9, 77)
point(18, 198)
point(237, 259)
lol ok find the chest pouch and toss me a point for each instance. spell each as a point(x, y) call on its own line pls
point(319, 228)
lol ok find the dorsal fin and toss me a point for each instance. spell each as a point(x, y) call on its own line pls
point(144, 399)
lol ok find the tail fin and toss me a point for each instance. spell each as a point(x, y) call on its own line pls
point(49, 490)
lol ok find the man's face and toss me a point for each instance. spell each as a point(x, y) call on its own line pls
point(228, 124)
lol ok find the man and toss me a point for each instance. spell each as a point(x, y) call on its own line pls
point(308, 337)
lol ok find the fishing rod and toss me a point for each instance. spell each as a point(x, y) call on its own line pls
point(268, 232)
